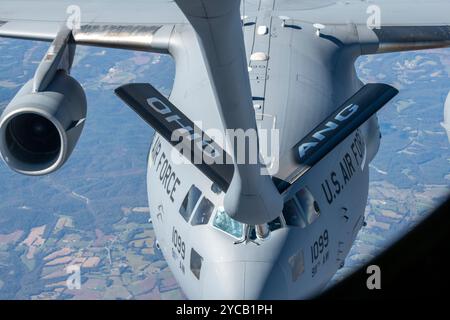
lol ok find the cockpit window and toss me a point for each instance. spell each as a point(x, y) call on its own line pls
point(225, 223)
point(203, 212)
point(292, 214)
point(189, 202)
point(275, 224)
point(196, 263)
point(309, 205)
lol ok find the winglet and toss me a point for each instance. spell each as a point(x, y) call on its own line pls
point(157, 111)
point(339, 125)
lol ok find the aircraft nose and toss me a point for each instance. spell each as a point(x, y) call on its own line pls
point(245, 280)
point(225, 281)
point(264, 280)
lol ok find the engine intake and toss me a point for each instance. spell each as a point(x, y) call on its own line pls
point(39, 130)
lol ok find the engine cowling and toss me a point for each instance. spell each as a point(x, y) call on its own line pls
point(446, 123)
point(39, 130)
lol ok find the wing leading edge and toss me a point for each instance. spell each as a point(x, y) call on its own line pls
point(383, 25)
point(403, 24)
point(136, 25)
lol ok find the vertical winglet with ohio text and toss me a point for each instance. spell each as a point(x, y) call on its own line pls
point(157, 111)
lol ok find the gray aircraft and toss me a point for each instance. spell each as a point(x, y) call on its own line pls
point(446, 123)
point(230, 226)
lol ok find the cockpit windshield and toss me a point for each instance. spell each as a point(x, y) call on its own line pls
point(225, 223)
point(189, 202)
point(203, 213)
point(301, 210)
point(293, 214)
point(309, 205)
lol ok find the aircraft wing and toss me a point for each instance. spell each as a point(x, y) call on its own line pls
point(381, 25)
point(116, 24)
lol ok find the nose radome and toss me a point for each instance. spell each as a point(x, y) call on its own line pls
point(264, 280)
point(224, 281)
point(245, 280)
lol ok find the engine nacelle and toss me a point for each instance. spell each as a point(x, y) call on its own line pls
point(446, 123)
point(39, 130)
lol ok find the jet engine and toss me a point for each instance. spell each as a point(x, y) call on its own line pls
point(446, 123)
point(39, 130)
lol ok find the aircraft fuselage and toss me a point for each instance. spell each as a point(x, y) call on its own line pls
point(293, 91)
